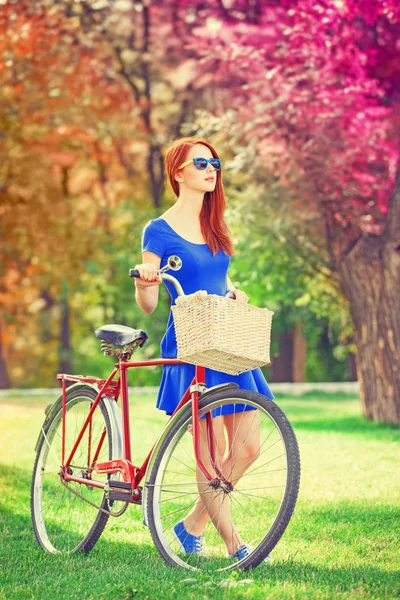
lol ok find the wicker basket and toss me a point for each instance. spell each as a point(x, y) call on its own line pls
point(220, 333)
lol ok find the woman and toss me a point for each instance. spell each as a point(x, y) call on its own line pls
point(195, 230)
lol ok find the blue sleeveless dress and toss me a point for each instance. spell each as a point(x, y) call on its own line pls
point(200, 271)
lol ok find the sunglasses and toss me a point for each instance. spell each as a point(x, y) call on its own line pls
point(201, 163)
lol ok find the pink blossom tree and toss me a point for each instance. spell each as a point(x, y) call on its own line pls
point(316, 86)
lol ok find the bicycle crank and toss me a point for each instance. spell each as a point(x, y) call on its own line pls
point(107, 512)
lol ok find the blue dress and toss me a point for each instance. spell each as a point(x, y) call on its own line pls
point(200, 271)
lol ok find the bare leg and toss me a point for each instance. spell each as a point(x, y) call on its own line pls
point(243, 431)
point(195, 522)
point(243, 437)
point(214, 505)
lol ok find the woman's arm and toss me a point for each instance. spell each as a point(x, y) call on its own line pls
point(231, 287)
point(147, 296)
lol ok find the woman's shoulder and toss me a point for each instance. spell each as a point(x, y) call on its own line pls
point(153, 238)
point(152, 226)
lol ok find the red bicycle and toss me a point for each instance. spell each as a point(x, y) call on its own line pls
point(83, 472)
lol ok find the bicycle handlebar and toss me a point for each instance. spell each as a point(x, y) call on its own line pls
point(173, 280)
point(174, 263)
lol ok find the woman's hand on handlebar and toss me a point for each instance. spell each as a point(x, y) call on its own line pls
point(148, 275)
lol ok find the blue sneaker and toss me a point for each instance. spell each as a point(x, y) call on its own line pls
point(190, 544)
point(243, 551)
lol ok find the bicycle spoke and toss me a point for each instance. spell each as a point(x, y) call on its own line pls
point(238, 427)
point(176, 473)
point(230, 474)
point(185, 465)
point(173, 484)
point(265, 487)
point(180, 496)
point(186, 507)
point(246, 510)
point(241, 446)
point(268, 462)
point(190, 457)
point(251, 495)
point(262, 472)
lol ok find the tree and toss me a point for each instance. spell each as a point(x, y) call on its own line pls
point(54, 100)
point(79, 114)
point(314, 86)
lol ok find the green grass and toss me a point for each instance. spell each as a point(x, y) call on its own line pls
point(342, 542)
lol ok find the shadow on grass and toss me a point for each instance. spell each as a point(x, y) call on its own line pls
point(320, 417)
point(352, 530)
point(346, 522)
point(315, 395)
point(351, 425)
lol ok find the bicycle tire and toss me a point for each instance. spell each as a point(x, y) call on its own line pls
point(161, 531)
point(52, 526)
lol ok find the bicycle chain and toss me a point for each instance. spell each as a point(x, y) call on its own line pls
point(107, 512)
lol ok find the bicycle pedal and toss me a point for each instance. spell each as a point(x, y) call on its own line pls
point(114, 496)
point(124, 485)
point(124, 495)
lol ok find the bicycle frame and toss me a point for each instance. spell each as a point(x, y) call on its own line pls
point(123, 465)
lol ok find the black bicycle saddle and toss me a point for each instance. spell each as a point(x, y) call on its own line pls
point(120, 335)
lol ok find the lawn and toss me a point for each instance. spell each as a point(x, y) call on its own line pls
point(342, 542)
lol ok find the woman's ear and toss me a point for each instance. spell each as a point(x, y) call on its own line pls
point(179, 177)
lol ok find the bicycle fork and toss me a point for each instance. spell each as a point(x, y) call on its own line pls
point(198, 386)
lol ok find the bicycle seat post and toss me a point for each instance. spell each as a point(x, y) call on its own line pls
point(125, 411)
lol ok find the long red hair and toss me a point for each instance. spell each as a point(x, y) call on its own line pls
point(212, 223)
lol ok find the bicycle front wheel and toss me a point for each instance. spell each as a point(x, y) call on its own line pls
point(257, 452)
point(64, 518)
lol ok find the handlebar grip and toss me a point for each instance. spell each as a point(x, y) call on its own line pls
point(134, 273)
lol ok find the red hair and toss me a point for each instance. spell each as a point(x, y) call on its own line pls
point(212, 223)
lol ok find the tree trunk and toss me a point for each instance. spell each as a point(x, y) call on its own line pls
point(352, 367)
point(65, 344)
point(44, 317)
point(290, 364)
point(299, 354)
point(5, 382)
point(282, 365)
point(370, 275)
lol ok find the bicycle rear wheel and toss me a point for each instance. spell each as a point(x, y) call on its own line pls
point(62, 520)
point(261, 461)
